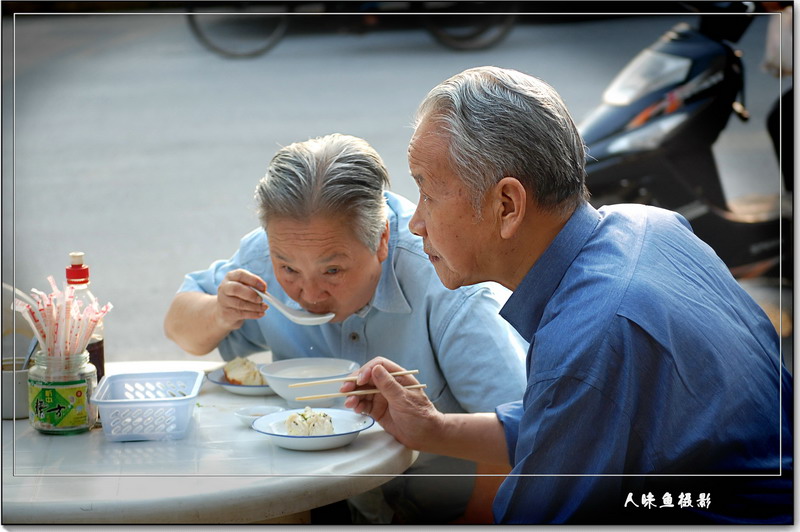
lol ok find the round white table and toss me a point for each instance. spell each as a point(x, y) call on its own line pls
point(220, 472)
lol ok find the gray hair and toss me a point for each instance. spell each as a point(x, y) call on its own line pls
point(501, 122)
point(330, 176)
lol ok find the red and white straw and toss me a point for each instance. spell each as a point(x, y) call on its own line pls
point(61, 326)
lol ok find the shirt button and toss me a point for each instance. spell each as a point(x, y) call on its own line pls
point(354, 337)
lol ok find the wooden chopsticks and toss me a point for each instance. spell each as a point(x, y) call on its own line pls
point(354, 392)
point(349, 379)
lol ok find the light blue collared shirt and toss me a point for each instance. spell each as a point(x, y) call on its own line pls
point(471, 359)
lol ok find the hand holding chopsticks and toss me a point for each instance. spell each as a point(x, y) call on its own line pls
point(354, 392)
point(408, 415)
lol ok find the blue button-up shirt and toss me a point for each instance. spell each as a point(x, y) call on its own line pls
point(646, 357)
point(471, 359)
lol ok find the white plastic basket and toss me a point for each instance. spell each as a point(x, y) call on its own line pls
point(147, 406)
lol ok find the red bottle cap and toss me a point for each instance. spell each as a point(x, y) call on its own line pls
point(77, 272)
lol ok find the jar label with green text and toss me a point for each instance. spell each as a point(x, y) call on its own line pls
point(59, 405)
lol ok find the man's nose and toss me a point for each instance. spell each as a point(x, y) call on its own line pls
point(417, 225)
point(312, 291)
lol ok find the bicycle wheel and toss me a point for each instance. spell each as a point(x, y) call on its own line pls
point(469, 31)
point(239, 30)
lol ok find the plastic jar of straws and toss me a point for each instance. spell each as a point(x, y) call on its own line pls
point(62, 378)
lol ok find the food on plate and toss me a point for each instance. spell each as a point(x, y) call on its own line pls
point(243, 371)
point(309, 423)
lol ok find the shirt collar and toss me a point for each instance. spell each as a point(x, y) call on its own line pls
point(525, 307)
point(388, 295)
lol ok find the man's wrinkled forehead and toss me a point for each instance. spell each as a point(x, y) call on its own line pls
point(427, 141)
point(430, 131)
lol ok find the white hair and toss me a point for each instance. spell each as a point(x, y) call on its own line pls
point(500, 123)
point(331, 176)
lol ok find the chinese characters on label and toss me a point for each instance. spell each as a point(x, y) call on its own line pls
point(57, 406)
point(648, 501)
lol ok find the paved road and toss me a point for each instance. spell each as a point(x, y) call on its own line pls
point(136, 145)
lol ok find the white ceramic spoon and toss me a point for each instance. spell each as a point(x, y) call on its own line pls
point(301, 317)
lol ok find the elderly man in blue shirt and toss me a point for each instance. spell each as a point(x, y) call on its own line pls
point(333, 239)
point(656, 392)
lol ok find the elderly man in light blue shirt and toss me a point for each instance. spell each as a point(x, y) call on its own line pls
point(334, 240)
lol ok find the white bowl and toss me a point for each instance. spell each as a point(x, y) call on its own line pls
point(281, 374)
point(249, 414)
point(346, 425)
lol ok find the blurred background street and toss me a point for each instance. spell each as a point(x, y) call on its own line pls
point(125, 138)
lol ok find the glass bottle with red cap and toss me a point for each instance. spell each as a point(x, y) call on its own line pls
point(78, 276)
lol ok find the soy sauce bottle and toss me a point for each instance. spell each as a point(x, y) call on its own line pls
point(78, 276)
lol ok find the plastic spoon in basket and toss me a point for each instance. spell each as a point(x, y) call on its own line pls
point(301, 317)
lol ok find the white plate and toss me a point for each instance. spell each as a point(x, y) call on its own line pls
point(346, 424)
point(218, 377)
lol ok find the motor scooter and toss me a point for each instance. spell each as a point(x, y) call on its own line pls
point(651, 139)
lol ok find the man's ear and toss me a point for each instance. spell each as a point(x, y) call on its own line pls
point(383, 244)
point(512, 201)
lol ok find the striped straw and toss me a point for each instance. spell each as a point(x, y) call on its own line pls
point(62, 325)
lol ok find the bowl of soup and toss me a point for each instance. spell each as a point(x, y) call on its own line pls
point(280, 375)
